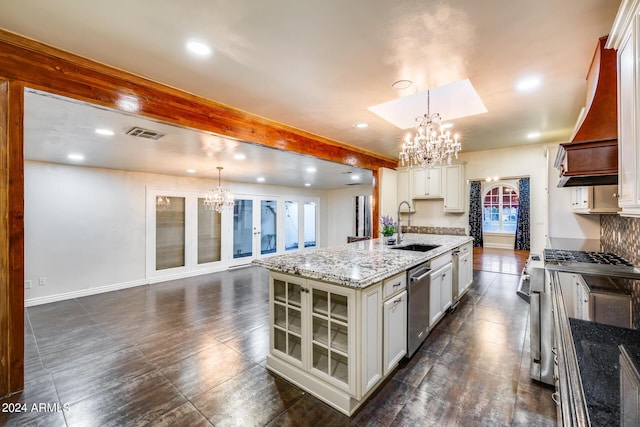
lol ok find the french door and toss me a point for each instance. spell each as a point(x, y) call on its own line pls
point(256, 224)
point(183, 237)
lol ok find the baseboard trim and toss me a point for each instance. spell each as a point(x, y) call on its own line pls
point(82, 293)
point(498, 246)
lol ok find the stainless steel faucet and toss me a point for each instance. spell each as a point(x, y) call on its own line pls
point(399, 223)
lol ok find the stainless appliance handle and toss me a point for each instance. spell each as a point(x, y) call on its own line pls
point(422, 276)
point(535, 326)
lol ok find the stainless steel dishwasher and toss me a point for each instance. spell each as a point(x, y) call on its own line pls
point(418, 282)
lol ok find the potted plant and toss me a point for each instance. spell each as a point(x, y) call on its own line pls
point(389, 227)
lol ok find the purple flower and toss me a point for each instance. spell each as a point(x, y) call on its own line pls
point(388, 225)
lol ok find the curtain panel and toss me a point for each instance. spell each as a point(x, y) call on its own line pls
point(475, 213)
point(523, 234)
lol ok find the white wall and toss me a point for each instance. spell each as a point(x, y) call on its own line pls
point(341, 212)
point(85, 227)
point(562, 221)
point(528, 160)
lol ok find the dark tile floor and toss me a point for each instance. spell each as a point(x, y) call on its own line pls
point(192, 352)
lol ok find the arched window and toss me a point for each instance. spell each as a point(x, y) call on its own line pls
point(500, 209)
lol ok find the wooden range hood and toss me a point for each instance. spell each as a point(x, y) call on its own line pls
point(591, 158)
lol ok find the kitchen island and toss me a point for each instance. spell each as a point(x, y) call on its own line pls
point(339, 315)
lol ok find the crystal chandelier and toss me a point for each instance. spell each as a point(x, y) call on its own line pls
point(432, 143)
point(220, 198)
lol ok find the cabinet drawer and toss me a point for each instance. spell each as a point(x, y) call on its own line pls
point(438, 262)
point(393, 285)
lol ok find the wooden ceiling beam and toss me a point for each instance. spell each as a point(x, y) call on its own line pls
point(50, 69)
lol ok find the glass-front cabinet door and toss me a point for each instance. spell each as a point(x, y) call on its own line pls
point(287, 317)
point(333, 334)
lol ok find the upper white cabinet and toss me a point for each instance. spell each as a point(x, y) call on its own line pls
point(404, 188)
point(454, 188)
point(595, 200)
point(625, 37)
point(427, 183)
point(440, 182)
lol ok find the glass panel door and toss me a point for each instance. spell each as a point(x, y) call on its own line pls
point(243, 228)
point(292, 234)
point(209, 234)
point(268, 226)
point(170, 232)
point(309, 224)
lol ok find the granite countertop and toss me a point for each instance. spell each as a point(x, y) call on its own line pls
point(360, 264)
point(596, 347)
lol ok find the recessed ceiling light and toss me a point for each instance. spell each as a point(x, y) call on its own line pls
point(191, 171)
point(361, 125)
point(260, 179)
point(198, 47)
point(239, 156)
point(533, 135)
point(307, 184)
point(402, 84)
point(355, 177)
point(311, 169)
point(76, 157)
point(106, 132)
point(528, 83)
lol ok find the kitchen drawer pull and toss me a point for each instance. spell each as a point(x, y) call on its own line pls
point(554, 351)
point(397, 300)
point(397, 284)
point(556, 398)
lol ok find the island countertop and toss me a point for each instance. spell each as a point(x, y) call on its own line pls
point(360, 264)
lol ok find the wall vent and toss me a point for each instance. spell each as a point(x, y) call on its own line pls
point(145, 133)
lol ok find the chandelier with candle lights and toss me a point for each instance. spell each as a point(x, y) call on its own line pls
point(432, 143)
point(219, 198)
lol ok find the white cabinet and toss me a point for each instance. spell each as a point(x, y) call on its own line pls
point(404, 188)
point(371, 336)
point(454, 188)
point(395, 331)
point(581, 299)
point(465, 269)
point(313, 328)
point(579, 198)
point(441, 293)
point(625, 38)
point(595, 200)
point(427, 183)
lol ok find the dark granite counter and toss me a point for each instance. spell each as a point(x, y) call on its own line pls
point(596, 348)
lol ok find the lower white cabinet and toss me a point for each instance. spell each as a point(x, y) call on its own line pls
point(395, 331)
point(441, 293)
point(337, 343)
point(465, 268)
point(581, 299)
point(313, 328)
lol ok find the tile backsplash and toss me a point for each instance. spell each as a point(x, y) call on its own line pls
point(621, 235)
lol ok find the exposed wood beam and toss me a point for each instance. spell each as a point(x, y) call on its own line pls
point(11, 238)
point(56, 71)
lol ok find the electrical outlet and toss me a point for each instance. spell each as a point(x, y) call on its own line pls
point(42, 281)
point(27, 284)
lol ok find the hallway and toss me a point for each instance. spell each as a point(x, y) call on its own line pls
point(192, 352)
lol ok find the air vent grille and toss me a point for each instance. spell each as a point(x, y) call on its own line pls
point(145, 133)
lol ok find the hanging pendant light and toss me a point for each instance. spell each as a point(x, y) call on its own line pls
point(220, 198)
point(432, 143)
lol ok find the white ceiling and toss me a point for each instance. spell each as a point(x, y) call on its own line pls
point(319, 65)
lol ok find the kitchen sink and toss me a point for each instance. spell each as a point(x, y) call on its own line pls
point(416, 247)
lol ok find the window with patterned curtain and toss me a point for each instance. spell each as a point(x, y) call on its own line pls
point(500, 209)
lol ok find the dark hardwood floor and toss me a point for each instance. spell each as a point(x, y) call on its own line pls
point(192, 352)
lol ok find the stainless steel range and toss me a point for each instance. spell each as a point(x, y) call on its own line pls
point(538, 273)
